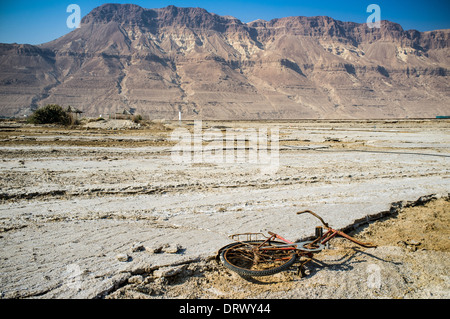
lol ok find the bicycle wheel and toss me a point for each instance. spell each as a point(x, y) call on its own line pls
point(249, 258)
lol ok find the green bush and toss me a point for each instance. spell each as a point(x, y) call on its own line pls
point(50, 114)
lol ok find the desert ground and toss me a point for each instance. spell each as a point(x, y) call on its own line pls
point(104, 209)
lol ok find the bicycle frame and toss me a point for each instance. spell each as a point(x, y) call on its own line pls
point(331, 233)
point(321, 239)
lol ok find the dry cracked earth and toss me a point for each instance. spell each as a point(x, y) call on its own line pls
point(103, 210)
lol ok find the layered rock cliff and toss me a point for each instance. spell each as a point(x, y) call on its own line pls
point(215, 67)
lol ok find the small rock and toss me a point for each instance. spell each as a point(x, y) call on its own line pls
point(172, 248)
point(429, 227)
point(412, 242)
point(138, 279)
point(167, 272)
point(153, 250)
point(137, 247)
point(122, 257)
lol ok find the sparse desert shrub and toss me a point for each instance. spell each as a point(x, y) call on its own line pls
point(98, 119)
point(50, 114)
point(137, 118)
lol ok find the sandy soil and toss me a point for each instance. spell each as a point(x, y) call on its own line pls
point(105, 212)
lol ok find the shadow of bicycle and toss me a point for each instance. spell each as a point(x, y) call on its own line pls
point(304, 268)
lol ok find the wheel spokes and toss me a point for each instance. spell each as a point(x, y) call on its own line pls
point(254, 256)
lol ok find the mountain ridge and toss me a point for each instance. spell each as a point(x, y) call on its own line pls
point(217, 67)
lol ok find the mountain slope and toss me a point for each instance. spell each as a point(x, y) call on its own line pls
point(215, 67)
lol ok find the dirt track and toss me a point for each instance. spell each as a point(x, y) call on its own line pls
point(75, 200)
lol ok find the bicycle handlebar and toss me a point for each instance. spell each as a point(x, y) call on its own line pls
point(315, 215)
point(368, 245)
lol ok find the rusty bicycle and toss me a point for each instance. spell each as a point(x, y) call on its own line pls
point(254, 257)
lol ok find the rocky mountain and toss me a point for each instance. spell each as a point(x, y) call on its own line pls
point(156, 61)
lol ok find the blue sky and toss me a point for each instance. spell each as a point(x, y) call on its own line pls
point(40, 21)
